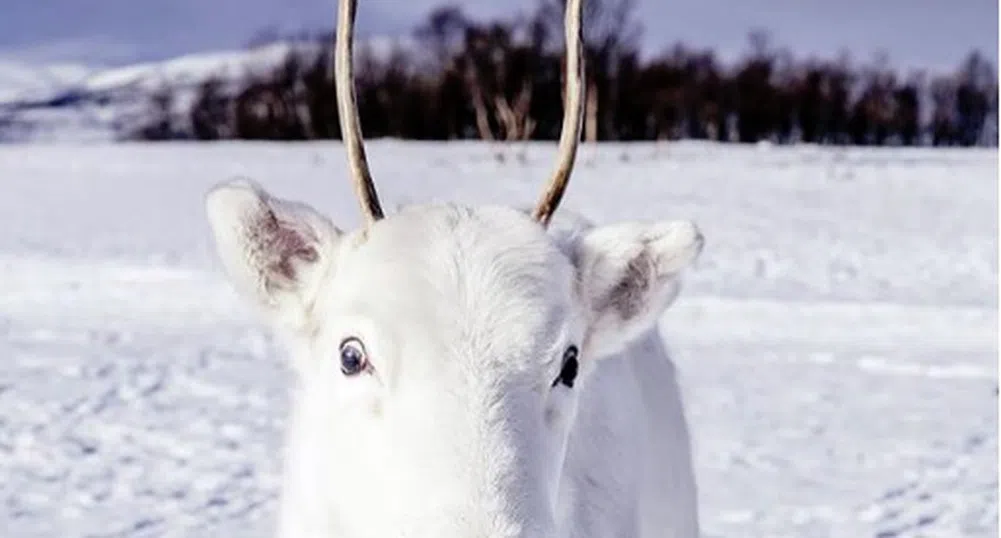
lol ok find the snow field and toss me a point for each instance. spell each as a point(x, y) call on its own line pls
point(837, 342)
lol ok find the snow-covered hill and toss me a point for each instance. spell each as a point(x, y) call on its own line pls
point(79, 102)
point(73, 102)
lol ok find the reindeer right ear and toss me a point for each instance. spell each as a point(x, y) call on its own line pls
point(275, 252)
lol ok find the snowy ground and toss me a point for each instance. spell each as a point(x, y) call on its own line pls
point(838, 341)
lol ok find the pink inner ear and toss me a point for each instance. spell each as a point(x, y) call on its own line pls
point(285, 266)
point(628, 296)
point(283, 242)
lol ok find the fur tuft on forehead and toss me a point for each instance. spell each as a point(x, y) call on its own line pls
point(491, 243)
point(489, 281)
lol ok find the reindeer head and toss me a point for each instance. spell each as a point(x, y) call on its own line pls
point(440, 351)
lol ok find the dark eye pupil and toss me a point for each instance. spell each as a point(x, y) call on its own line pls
point(352, 359)
point(569, 371)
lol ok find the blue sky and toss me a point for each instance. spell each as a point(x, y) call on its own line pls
point(933, 34)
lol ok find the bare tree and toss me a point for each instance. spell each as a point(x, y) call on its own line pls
point(502, 80)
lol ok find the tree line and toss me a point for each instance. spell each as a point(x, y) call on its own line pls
point(502, 80)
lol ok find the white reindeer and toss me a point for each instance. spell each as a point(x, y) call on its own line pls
point(469, 372)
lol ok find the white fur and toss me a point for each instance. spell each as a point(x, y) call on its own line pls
point(465, 313)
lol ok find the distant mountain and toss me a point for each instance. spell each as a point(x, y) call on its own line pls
point(80, 103)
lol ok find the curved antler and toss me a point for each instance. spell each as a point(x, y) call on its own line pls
point(572, 115)
point(348, 113)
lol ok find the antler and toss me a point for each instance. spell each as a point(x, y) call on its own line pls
point(572, 115)
point(348, 113)
point(351, 128)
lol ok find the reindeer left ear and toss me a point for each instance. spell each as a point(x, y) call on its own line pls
point(274, 251)
point(629, 274)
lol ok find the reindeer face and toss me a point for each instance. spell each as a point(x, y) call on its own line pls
point(440, 351)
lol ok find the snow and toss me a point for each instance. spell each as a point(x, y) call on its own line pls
point(20, 81)
point(29, 82)
point(66, 102)
point(837, 342)
point(190, 70)
point(77, 103)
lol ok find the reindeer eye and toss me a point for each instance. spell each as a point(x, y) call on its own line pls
point(354, 360)
point(569, 371)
